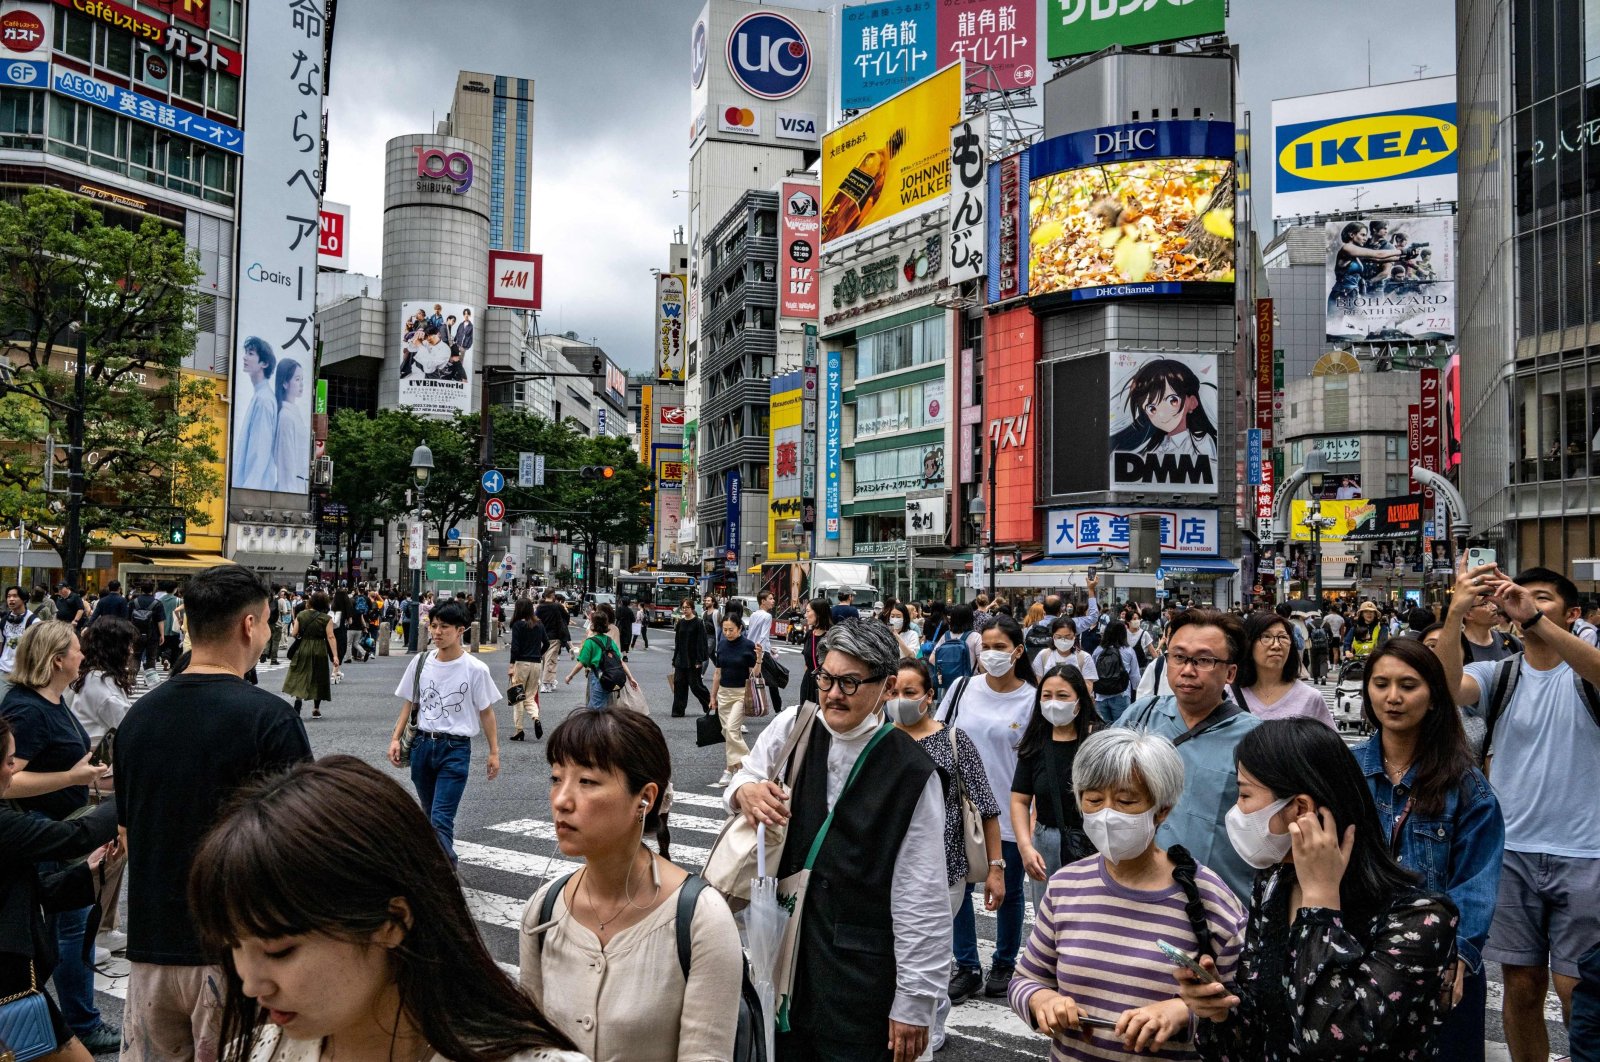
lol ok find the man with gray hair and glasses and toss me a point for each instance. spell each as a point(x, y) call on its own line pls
point(874, 950)
point(1204, 725)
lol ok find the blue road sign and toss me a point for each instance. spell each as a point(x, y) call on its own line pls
point(1161, 575)
point(453, 535)
point(490, 578)
point(493, 482)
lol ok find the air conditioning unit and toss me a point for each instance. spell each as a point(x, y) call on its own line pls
point(322, 472)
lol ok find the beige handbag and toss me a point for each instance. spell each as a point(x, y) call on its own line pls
point(731, 863)
point(971, 821)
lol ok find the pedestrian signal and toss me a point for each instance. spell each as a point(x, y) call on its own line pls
point(177, 531)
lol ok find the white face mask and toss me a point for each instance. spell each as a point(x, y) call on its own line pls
point(1118, 835)
point(1252, 836)
point(907, 711)
point(867, 725)
point(996, 662)
point(1064, 645)
point(1058, 713)
point(895, 623)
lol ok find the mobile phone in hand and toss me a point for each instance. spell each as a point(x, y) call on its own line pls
point(1087, 1022)
point(1478, 556)
point(1180, 958)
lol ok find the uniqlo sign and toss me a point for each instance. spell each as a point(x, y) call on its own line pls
point(516, 280)
point(798, 256)
point(333, 236)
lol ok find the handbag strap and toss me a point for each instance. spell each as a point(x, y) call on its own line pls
point(801, 728)
point(33, 987)
point(822, 834)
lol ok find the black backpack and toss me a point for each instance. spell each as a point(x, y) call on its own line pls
point(1113, 674)
point(1037, 639)
point(144, 610)
point(749, 1045)
point(1319, 636)
point(613, 676)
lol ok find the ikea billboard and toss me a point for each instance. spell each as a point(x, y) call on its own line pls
point(1365, 149)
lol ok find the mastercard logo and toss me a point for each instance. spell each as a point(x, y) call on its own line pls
point(743, 117)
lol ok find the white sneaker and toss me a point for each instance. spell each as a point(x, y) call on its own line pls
point(101, 955)
point(112, 940)
point(722, 783)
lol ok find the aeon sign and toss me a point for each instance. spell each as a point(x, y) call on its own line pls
point(443, 171)
point(769, 56)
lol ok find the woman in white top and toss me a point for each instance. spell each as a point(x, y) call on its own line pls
point(1064, 650)
point(359, 947)
point(604, 939)
point(898, 617)
point(993, 708)
point(1268, 684)
point(103, 691)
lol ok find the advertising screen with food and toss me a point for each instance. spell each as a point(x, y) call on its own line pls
point(1129, 211)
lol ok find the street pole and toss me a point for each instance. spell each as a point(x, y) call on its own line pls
point(413, 625)
point(485, 462)
point(74, 557)
point(994, 459)
point(1316, 550)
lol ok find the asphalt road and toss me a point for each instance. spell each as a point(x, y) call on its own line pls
point(506, 842)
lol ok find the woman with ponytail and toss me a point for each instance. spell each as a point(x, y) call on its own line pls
point(1107, 912)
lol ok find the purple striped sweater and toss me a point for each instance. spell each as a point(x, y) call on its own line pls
point(1095, 941)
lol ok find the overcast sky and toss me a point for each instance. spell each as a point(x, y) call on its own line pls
point(611, 117)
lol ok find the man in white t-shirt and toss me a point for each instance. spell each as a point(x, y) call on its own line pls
point(1541, 752)
point(453, 696)
point(759, 631)
point(17, 619)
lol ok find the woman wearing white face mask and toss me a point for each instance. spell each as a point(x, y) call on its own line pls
point(1044, 813)
point(1064, 650)
point(953, 752)
point(1107, 912)
point(1342, 941)
point(898, 617)
point(993, 707)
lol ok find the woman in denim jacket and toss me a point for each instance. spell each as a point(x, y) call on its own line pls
point(1442, 818)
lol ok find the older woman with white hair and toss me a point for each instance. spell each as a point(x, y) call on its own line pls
point(1092, 977)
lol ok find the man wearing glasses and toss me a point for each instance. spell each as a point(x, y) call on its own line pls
point(874, 946)
point(1205, 725)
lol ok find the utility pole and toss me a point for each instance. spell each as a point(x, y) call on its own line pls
point(989, 474)
point(74, 543)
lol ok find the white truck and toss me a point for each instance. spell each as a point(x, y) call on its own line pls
point(829, 577)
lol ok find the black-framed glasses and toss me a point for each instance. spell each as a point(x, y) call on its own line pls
point(1178, 661)
point(848, 684)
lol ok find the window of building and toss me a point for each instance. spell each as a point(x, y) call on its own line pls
point(69, 125)
point(897, 471)
point(113, 50)
point(21, 118)
point(108, 141)
point(1396, 484)
point(222, 93)
point(1391, 447)
point(74, 35)
point(901, 409)
point(894, 349)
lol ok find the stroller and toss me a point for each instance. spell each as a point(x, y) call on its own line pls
point(1347, 713)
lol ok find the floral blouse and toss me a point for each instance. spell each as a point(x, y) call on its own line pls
point(937, 746)
point(1315, 990)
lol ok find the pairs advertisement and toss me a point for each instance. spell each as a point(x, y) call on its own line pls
point(1391, 279)
point(893, 161)
point(1163, 422)
point(274, 363)
point(436, 357)
point(1132, 210)
point(1083, 27)
point(783, 507)
point(885, 47)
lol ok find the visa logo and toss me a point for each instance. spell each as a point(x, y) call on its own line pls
point(797, 126)
point(1372, 148)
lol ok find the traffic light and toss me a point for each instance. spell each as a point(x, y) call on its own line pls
point(177, 530)
point(596, 365)
point(598, 472)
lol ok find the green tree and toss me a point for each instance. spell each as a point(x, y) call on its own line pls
point(149, 448)
point(371, 467)
point(452, 492)
point(615, 511)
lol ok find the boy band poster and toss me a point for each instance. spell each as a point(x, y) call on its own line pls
point(436, 345)
point(1163, 422)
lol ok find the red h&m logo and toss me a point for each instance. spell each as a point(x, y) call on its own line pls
point(516, 280)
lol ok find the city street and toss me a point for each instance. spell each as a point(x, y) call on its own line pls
point(506, 840)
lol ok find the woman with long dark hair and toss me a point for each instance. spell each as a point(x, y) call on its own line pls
point(1442, 819)
point(1343, 942)
point(1168, 415)
point(359, 945)
point(1268, 685)
point(529, 640)
point(104, 687)
point(898, 617)
point(818, 618)
point(1044, 812)
point(993, 709)
point(1116, 672)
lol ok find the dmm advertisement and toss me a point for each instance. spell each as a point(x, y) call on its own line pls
point(892, 161)
point(1163, 418)
point(1082, 27)
point(436, 357)
point(1132, 210)
point(1391, 279)
point(784, 538)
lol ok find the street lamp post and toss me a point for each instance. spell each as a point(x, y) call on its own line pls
point(421, 467)
point(994, 511)
point(976, 513)
point(1316, 471)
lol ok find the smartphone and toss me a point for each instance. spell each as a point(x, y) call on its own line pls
point(1179, 958)
point(1478, 556)
point(1086, 1022)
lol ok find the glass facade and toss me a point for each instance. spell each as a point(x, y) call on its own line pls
point(897, 471)
point(510, 140)
point(893, 349)
point(497, 169)
point(919, 405)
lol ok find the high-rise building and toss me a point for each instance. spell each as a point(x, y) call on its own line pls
point(496, 111)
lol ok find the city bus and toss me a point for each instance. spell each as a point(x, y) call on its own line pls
point(659, 594)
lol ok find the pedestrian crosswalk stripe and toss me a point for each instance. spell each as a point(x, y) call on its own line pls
point(545, 831)
point(698, 801)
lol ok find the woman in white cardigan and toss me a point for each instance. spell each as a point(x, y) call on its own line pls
point(599, 947)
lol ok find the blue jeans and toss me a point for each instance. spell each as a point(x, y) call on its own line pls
point(598, 698)
point(439, 768)
point(74, 978)
point(1008, 920)
point(1111, 708)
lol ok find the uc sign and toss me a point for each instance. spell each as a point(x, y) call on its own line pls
point(768, 55)
point(1368, 148)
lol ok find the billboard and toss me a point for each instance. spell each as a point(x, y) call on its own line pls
point(25, 32)
point(893, 161)
point(670, 295)
point(333, 236)
point(800, 252)
point(1010, 383)
point(436, 357)
point(1184, 532)
point(276, 287)
point(1343, 486)
point(1008, 220)
point(998, 39)
point(1163, 422)
point(516, 279)
point(1365, 148)
point(1399, 517)
point(783, 505)
point(969, 180)
point(1346, 517)
point(1083, 27)
point(1391, 279)
point(833, 418)
point(884, 48)
point(1132, 210)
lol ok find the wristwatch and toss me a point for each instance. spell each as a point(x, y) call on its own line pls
point(1537, 616)
point(1001, 863)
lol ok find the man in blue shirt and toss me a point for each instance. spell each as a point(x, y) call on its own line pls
point(844, 609)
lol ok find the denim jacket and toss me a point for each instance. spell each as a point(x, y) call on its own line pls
point(1457, 851)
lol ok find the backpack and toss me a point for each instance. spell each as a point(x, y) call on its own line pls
point(362, 605)
point(951, 660)
point(1037, 639)
point(391, 613)
point(1506, 676)
point(144, 608)
point(749, 1044)
point(1140, 638)
point(1319, 637)
point(613, 676)
point(1113, 673)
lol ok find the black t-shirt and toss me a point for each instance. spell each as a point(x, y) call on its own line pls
point(1031, 780)
point(51, 739)
point(68, 607)
point(182, 751)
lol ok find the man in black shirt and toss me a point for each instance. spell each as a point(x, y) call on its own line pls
point(554, 619)
point(182, 751)
point(69, 605)
point(112, 603)
point(625, 619)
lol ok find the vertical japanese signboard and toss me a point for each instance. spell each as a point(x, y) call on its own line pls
point(279, 227)
point(783, 505)
point(832, 436)
point(801, 237)
point(1264, 370)
point(1008, 277)
point(1413, 442)
point(997, 38)
point(969, 197)
point(1430, 422)
point(730, 539)
point(670, 296)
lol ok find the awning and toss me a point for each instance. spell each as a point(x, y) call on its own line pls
point(159, 561)
point(1198, 566)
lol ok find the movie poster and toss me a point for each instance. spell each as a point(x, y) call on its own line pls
point(1391, 279)
point(1163, 422)
point(436, 357)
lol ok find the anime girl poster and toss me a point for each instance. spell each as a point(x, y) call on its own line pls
point(1163, 422)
